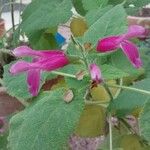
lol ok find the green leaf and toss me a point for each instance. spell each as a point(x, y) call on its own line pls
point(110, 72)
point(79, 7)
point(73, 50)
point(107, 25)
point(16, 85)
point(119, 60)
point(3, 141)
point(136, 3)
point(127, 101)
point(77, 84)
point(44, 14)
point(130, 10)
point(42, 40)
point(72, 69)
point(144, 121)
point(93, 15)
point(46, 124)
point(93, 4)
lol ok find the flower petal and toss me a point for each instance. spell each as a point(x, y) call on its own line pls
point(49, 64)
point(109, 43)
point(135, 31)
point(131, 51)
point(19, 67)
point(95, 73)
point(33, 80)
point(27, 51)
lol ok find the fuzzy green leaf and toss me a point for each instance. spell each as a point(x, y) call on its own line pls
point(119, 60)
point(145, 121)
point(46, 124)
point(107, 25)
point(79, 7)
point(44, 14)
point(127, 101)
point(110, 72)
point(93, 4)
point(93, 15)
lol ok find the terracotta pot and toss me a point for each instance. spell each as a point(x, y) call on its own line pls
point(8, 104)
point(2, 27)
point(143, 21)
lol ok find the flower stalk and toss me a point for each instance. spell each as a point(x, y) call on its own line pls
point(129, 88)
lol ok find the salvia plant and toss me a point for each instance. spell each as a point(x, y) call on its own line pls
point(92, 84)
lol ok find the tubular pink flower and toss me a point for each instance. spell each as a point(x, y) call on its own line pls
point(95, 73)
point(112, 43)
point(27, 51)
point(42, 61)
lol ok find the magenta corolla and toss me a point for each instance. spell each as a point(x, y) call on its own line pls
point(112, 43)
point(48, 60)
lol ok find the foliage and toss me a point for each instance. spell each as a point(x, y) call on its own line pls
point(104, 27)
point(136, 100)
point(47, 123)
point(145, 120)
point(53, 115)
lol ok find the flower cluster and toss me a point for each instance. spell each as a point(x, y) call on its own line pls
point(54, 59)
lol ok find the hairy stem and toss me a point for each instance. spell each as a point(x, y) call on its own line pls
point(130, 88)
point(110, 133)
point(63, 74)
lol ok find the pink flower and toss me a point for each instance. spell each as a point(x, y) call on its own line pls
point(42, 61)
point(112, 43)
point(95, 73)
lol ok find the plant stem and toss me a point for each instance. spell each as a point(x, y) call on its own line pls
point(108, 91)
point(110, 133)
point(95, 102)
point(12, 14)
point(82, 52)
point(109, 117)
point(127, 125)
point(130, 88)
point(63, 74)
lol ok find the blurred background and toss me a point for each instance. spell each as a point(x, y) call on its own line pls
point(5, 11)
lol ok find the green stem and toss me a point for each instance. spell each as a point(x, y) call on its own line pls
point(130, 88)
point(82, 52)
point(110, 133)
point(108, 91)
point(109, 117)
point(63, 74)
point(126, 124)
point(96, 102)
point(12, 14)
